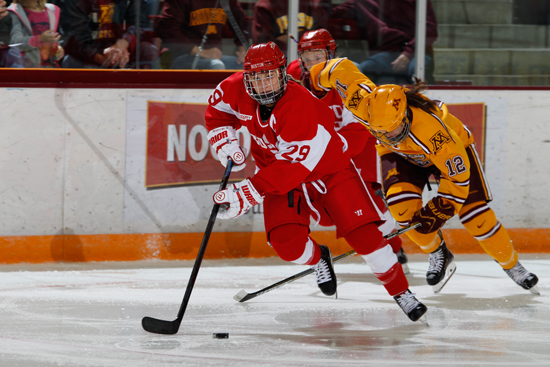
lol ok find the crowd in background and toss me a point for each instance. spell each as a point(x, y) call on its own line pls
point(189, 34)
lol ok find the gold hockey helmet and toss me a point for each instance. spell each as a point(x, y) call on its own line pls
point(387, 114)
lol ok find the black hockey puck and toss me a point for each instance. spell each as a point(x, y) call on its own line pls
point(220, 335)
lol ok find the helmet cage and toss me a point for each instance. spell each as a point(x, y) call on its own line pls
point(259, 85)
point(319, 39)
point(329, 55)
point(393, 141)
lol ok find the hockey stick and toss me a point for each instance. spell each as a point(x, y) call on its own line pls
point(157, 326)
point(233, 22)
point(244, 296)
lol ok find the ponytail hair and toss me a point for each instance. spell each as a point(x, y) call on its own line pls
point(418, 100)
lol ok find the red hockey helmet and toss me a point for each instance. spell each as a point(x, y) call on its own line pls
point(319, 39)
point(315, 47)
point(265, 76)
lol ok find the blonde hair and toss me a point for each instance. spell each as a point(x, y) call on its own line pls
point(32, 3)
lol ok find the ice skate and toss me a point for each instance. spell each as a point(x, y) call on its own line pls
point(523, 278)
point(414, 309)
point(402, 258)
point(441, 268)
point(326, 279)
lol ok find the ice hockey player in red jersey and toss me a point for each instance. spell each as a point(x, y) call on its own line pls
point(316, 47)
point(300, 159)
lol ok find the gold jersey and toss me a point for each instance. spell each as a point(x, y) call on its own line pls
point(436, 138)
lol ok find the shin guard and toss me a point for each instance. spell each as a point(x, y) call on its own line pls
point(384, 265)
point(482, 223)
point(394, 280)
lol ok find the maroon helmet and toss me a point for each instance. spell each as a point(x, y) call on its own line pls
point(265, 76)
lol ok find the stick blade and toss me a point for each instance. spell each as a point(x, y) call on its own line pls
point(242, 296)
point(157, 326)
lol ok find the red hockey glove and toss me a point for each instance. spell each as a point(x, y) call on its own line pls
point(433, 215)
point(240, 196)
point(225, 143)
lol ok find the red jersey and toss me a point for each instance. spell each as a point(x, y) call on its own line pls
point(296, 144)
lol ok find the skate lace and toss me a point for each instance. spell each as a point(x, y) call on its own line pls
point(322, 271)
point(518, 273)
point(407, 301)
point(436, 261)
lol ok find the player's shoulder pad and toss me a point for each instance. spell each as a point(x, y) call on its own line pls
point(232, 85)
point(342, 63)
point(428, 131)
point(443, 109)
point(235, 79)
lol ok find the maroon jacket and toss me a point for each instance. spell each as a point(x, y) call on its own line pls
point(271, 19)
point(389, 25)
point(183, 24)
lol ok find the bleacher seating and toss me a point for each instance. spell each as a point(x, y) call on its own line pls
point(481, 41)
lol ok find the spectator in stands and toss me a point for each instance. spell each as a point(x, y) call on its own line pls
point(192, 31)
point(104, 34)
point(270, 22)
point(389, 26)
point(10, 57)
point(152, 9)
point(5, 24)
point(34, 28)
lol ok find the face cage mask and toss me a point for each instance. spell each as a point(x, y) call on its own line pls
point(398, 138)
point(266, 98)
point(329, 55)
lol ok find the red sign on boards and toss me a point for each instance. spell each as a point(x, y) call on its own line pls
point(178, 152)
point(472, 116)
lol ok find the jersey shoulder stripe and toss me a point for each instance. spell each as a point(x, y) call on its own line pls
point(226, 108)
point(318, 83)
point(334, 66)
point(419, 143)
point(467, 131)
point(364, 122)
point(366, 87)
point(443, 124)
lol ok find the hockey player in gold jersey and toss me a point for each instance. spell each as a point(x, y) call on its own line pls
point(418, 137)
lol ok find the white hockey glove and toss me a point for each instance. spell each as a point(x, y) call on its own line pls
point(240, 196)
point(224, 141)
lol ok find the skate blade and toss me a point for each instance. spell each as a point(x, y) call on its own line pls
point(406, 269)
point(424, 319)
point(534, 290)
point(448, 274)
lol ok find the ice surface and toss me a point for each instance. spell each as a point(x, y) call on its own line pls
point(90, 315)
